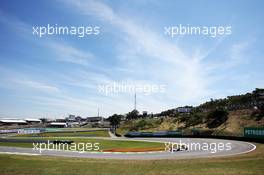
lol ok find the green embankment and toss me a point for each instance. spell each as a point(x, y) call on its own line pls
point(232, 126)
point(103, 143)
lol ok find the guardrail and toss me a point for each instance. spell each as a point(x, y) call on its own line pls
point(179, 134)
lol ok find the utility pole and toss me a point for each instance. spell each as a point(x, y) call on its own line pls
point(135, 101)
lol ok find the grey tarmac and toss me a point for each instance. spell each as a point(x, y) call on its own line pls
point(237, 147)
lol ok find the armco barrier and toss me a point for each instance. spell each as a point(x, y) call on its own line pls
point(247, 139)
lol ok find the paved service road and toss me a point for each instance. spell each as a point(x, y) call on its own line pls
point(237, 147)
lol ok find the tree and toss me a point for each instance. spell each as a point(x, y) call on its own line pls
point(216, 117)
point(115, 120)
point(132, 115)
point(44, 120)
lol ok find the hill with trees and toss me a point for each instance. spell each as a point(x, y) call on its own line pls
point(226, 116)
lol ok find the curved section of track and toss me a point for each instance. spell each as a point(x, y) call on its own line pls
point(237, 147)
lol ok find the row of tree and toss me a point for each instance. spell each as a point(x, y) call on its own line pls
point(116, 118)
point(216, 110)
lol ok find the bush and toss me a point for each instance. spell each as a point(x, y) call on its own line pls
point(216, 117)
point(258, 114)
point(141, 124)
point(194, 119)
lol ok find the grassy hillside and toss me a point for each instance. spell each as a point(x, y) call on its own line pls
point(236, 121)
point(226, 116)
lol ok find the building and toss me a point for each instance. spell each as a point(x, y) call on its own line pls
point(185, 109)
point(94, 119)
point(58, 124)
point(71, 118)
point(32, 121)
point(12, 122)
point(80, 119)
point(144, 114)
point(60, 120)
point(97, 122)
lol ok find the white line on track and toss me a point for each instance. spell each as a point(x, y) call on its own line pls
point(18, 153)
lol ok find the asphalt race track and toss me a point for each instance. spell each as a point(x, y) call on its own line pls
point(237, 147)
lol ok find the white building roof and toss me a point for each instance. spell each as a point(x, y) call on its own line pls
point(32, 120)
point(57, 123)
point(12, 121)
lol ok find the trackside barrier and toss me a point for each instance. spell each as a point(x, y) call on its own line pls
point(180, 135)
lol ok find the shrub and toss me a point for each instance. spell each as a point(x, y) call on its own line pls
point(216, 117)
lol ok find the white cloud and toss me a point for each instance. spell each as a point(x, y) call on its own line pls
point(68, 53)
point(64, 52)
point(163, 60)
point(144, 56)
point(13, 79)
point(237, 51)
point(37, 85)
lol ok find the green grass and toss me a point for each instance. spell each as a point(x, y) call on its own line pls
point(104, 144)
point(80, 129)
point(246, 164)
point(13, 144)
point(122, 131)
point(103, 133)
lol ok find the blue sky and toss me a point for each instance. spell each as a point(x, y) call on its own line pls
point(54, 76)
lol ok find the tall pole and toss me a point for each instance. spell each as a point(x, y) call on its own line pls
point(135, 101)
point(98, 112)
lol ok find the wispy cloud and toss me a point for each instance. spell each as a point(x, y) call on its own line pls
point(164, 61)
point(13, 79)
point(65, 79)
point(37, 85)
point(237, 53)
point(67, 53)
point(63, 51)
